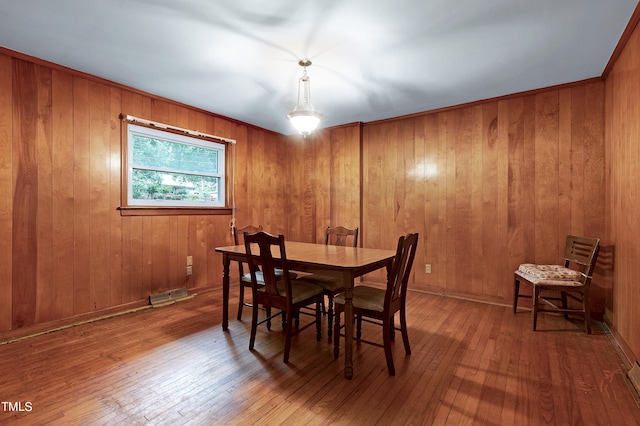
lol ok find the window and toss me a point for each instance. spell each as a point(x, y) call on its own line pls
point(166, 169)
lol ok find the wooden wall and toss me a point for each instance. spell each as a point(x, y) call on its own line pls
point(323, 182)
point(67, 250)
point(623, 192)
point(488, 186)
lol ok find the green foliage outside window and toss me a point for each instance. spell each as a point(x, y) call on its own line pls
point(172, 172)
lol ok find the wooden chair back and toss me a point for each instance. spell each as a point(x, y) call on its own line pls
point(582, 252)
point(238, 238)
point(398, 280)
point(339, 235)
point(260, 257)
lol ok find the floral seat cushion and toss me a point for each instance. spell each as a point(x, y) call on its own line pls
point(549, 272)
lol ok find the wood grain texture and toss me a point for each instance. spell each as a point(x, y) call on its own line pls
point(25, 194)
point(81, 198)
point(63, 195)
point(175, 365)
point(60, 137)
point(623, 190)
point(503, 182)
point(45, 293)
point(6, 191)
point(322, 182)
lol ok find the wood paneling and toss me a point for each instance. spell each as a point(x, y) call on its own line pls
point(502, 182)
point(322, 182)
point(25, 194)
point(45, 287)
point(71, 252)
point(6, 192)
point(81, 176)
point(623, 192)
point(63, 194)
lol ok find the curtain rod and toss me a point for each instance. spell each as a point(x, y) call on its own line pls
point(132, 119)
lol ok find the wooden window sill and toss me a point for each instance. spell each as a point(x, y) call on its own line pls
point(172, 211)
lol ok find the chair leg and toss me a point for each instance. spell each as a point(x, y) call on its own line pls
point(386, 337)
point(329, 312)
point(254, 325)
point(319, 320)
point(393, 328)
point(516, 293)
point(358, 327)
point(563, 297)
point(240, 301)
point(287, 340)
point(403, 329)
point(268, 311)
point(336, 334)
point(534, 308)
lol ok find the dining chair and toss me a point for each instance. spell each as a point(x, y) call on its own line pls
point(245, 277)
point(337, 236)
point(572, 280)
point(379, 305)
point(277, 291)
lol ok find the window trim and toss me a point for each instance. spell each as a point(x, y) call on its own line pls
point(154, 210)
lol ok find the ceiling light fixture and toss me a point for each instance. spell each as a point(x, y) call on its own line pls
point(304, 117)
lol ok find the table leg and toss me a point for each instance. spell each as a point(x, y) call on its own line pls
point(348, 332)
point(225, 292)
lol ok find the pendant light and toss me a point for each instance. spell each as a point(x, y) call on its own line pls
point(304, 117)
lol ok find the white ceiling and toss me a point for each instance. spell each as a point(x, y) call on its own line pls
point(372, 59)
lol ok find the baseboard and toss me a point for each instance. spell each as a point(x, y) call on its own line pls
point(48, 327)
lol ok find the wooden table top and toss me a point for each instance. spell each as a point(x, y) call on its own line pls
point(321, 254)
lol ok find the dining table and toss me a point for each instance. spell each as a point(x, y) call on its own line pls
point(344, 263)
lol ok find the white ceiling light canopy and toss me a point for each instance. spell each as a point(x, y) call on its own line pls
point(304, 117)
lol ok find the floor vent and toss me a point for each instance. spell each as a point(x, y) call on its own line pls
point(634, 375)
point(168, 297)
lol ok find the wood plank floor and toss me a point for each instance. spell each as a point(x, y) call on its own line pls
point(471, 363)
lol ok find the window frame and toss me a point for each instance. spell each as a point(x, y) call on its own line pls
point(175, 135)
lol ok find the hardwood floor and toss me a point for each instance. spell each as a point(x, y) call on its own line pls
point(471, 363)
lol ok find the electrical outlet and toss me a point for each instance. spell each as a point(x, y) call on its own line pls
point(189, 270)
point(427, 268)
point(189, 260)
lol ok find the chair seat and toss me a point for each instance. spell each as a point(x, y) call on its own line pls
point(549, 272)
point(300, 291)
point(543, 281)
point(330, 284)
point(260, 277)
point(365, 297)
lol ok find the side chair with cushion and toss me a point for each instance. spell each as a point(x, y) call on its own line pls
point(571, 280)
point(277, 291)
point(379, 305)
point(336, 236)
